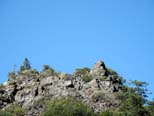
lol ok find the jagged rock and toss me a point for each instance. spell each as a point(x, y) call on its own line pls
point(27, 89)
point(47, 81)
point(68, 84)
point(99, 70)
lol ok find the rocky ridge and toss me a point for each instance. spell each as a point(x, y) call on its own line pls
point(29, 86)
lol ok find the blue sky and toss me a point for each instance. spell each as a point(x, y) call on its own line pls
point(68, 34)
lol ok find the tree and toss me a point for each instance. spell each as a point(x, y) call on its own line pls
point(26, 65)
point(133, 99)
point(140, 88)
point(150, 107)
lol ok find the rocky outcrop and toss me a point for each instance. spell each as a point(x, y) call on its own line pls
point(28, 87)
point(99, 69)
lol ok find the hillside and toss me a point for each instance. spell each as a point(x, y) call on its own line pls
point(29, 92)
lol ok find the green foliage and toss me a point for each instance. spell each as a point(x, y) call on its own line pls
point(86, 78)
point(115, 78)
point(66, 107)
point(84, 73)
point(52, 71)
point(133, 99)
point(42, 101)
point(4, 113)
point(12, 75)
point(131, 104)
point(1, 86)
point(99, 96)
point(48, 69)
point(110, 113)
point(150, 108)
point(29, 73)
point(111, 71)
point(81, 72)
point(16, 110)
point(102, 78)
point(22, 68)
point(140, 88)
point(26, 65)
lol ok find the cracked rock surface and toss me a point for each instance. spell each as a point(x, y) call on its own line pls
point(26, 90)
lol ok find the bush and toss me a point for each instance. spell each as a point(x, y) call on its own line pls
point(99, 96)
point(86, 78)
point(46, 67)
point(111, 71)
point(110, 113)
point(103, 78)
point(2, 86)
point(4, 113)
point(16, 110)
point(12, 76)
point(29, 73)
point(84, 73)
point(49, 70)
point(66, 107)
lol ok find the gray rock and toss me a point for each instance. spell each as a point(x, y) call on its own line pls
point(27, 90)
point(99, 70)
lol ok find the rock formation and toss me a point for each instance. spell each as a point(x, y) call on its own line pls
point(29, 86)
point(99, 69)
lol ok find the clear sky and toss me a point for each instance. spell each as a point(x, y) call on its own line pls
point(68, 34)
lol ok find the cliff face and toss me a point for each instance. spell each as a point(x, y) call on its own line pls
point(29, 86)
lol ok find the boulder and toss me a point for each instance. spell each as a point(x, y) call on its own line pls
point(99, 70)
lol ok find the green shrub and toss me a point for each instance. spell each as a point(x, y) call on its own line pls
point(99, 96)
point(82, 71)
point(66, 107)
point(4, 113)
point(111, 71)
point(49, 70)
point(29, 73)
point(16, 110)
point(106, 113)
point(102, 78)
point(131, 103)
point(12, 76)
point(150, 108)
point(86, 78)
point(110, 113)
point(46, 67)
point(1, 86)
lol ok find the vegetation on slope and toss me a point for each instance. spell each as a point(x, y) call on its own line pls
point(66, 107)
